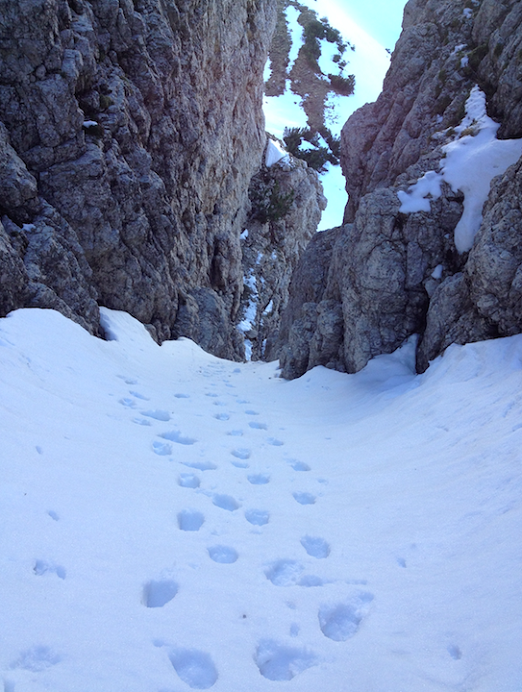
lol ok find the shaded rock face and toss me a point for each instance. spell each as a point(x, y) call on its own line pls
point(400, 273)
point(131, 131)
point(287, 200)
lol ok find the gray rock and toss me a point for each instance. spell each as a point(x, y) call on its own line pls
point(396, 274)
point(451, 319)
point(139, 124)
point(310, 328)
point(290, 194)
point(13, 276)
point(494, 266)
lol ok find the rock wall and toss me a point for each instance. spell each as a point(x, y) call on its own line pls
point(386, 274)
point(129, 133)
point(287, 201)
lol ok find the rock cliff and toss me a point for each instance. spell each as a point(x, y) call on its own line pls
point(394, 270)
point(130, 131)
point(287, 201)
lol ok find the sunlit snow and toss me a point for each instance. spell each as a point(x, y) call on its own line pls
point(172, 521)
point(472, 160)
point(274, 153)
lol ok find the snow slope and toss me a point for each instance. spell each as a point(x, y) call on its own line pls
point(172, 521)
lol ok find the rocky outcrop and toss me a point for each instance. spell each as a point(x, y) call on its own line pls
point(393, 273)
point(485, 299)
point(131, 131)
point(287, 200)
point(312, 324)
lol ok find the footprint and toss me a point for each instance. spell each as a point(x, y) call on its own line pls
point(454, 652)
point(176, 436)
point(194, 667)
point(276, 443)
point(212, 394)
point(311, 580)
point(157, 414)
point(257, 517)
point(241, 453)
point(226, 502)
point(190, 520)
point(222, 416)
point(128, 380)
point(139, 396)
point(161, 448)
point(341, 621)
point(200, 465)
point(258, 426)
point(157, 593)
point(240, 464)
point(294, 629)
point(36, 659)
point(259, 478)
point(141, 421)
point(401, 562)
point(284, 572)
point(315, 546)
point(300, 466)
point(278, 662)
point(235, 433)
point(43, 567)
point(182, 396)
point(249, 412)
point(129, 403)
point(223, 554)
point(53, 515)
point(304, 498)
point(188, 480)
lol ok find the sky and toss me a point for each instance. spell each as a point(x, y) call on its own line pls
point(381, 19)
point(371, 27)
point(172, 521)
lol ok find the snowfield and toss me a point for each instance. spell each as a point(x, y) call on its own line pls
point(174, 522)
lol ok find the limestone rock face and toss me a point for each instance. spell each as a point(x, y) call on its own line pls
point(395, 274)
point(129, 133)
point(287, 200)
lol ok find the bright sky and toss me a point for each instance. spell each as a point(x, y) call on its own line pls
point(381, 19)
point(371, 28)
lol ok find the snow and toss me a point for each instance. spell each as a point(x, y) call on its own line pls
point(472, 161)
point(437, 272)
point(274, 153)
point(172, 521)
point(249, 317)
point(418, 196)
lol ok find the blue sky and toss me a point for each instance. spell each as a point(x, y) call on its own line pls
point(381, 19)
point(371, 27)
